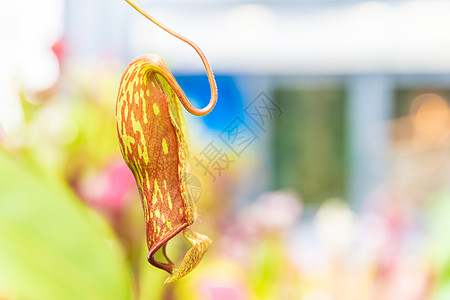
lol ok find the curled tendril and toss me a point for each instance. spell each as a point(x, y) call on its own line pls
point(212, 82)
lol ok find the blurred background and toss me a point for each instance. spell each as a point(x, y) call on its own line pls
point(323, 173)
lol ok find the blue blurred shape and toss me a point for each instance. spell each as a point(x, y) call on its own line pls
point(229, 104)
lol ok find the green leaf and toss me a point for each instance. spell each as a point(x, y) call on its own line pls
point(51, 245)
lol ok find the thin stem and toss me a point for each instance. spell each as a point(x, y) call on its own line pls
point(212, 81)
